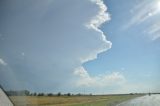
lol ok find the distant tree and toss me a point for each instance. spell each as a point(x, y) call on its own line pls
point(31, 94)
point(79, 94)
point(68, 94)
point(26, 92)
point(50, 94)
point(40, 94)
point(35, 94)
point(59, 94)
point(18, 93)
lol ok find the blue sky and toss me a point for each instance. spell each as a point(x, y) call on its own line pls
point(133, 53)
point(73, 46)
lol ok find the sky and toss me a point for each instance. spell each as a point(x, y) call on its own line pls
point(80, 46)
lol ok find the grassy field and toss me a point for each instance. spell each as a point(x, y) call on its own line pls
point(111, 100)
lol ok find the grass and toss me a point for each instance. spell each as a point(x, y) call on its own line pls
point(111, 100)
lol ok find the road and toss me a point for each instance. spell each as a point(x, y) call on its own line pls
point(153, 100)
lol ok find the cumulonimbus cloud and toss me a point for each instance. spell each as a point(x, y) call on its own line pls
point(100, 80)
point(96, 21)
point(55, 40)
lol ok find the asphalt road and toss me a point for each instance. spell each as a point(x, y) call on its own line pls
point(153, 100)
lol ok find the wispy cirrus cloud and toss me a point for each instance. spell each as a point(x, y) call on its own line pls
point(146, 13)
point(153, 31)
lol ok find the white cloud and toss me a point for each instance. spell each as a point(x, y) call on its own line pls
point(85, 79)
point(102, 81)
point(145, 12)
point(114, 82)
point(95, 22)
point(58, 37)
point(101, 17)
point(142, 12)
point(154, 31)
point(2, 62)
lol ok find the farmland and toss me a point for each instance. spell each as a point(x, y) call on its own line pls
point(94, 100)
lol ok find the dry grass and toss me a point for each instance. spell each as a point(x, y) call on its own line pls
point(70, 101)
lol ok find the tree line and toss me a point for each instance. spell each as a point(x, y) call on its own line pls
point(28, 93)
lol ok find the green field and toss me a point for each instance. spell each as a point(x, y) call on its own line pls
point(111, 100)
